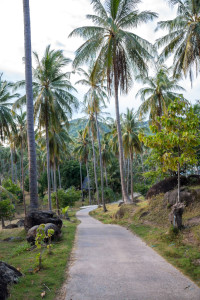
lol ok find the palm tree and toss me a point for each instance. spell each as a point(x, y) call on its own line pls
point(130, 139)
point(82, 150)
point(116, 50)
point(95, 96)
point(29, 104)
point(158, 91)
point(52, 91)
point(183, 37)
point(20, 141)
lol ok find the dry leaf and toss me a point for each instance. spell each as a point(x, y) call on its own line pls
point(43, 294)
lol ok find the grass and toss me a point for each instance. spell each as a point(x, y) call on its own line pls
point(50, 278)
point(149, 220)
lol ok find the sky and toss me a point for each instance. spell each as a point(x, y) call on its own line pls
point(51, 23)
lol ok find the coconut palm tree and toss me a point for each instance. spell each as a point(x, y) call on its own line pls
point(117, 50)
point(158, 91)
point(183, 37)
point(29, 105)
point(130, 139)
point(82, 150)
point(52, 91)
point(21, 142)
point(94, 97)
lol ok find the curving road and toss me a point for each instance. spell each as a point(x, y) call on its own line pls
point(111, 263)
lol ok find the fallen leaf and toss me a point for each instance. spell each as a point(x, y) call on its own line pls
point(43, 294)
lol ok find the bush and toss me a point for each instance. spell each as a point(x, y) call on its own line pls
point(109, 195)
point(141, 188)
point(13, 189)
point(65, 198)
point(6, 209)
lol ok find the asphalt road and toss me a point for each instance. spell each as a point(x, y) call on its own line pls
point(111, 263)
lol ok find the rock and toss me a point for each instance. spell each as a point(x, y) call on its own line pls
point(33, 231)
point(165, 185)
point(13, 239)
point(120, 203)
point(8, 275)
point(41, 217)
point(11, 226)
point(186, 196)
point(20, 223)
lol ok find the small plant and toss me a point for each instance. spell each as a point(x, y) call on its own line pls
point(65, 212)
point(39, 240)
point(50, 233)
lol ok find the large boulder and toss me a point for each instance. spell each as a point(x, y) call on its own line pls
point(8, 275)
point(41, 217)
point(165, 185)
point(33, 231)
point(186, 196)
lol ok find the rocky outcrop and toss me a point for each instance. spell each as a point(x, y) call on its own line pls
point(41, 217)
point(187, 196)
point(164, 186)
point(33, 231)
point(8, 275)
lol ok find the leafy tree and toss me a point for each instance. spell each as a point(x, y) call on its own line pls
point(117, 50)
point(70, 174)
point(6, 210)
point(176, 142)
point(183, 37)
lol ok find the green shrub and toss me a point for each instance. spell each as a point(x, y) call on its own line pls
point(65, 198)
point(6, 209)
point(13, 189)
point(141, 188)
point(109, 195)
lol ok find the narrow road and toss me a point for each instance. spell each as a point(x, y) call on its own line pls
point(113, 264)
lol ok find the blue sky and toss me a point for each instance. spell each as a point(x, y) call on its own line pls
point(51, 23)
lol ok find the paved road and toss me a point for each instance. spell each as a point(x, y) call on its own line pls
point(113, 264)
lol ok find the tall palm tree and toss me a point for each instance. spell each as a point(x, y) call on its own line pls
point(82, 150)
point(116, 49)
point(183, 37)
point(94, 97)
point(54, 100)
point(29, 104)
point(130, 139)
point(20, 141)
point(158, 91)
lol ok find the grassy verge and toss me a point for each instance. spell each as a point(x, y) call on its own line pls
point(53, 273)
point(149, 220)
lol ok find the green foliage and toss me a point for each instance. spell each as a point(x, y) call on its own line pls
point(65, 198)
point(13, 188)
point(70, 174)
point(43, 184)
point(6, 209)
point(39, 242)
point(141, 188)
point(50, 233)
point(175, 142)
point(109, 195)
point(26, 184)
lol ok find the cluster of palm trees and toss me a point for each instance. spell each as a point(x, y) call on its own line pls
point(116, 57)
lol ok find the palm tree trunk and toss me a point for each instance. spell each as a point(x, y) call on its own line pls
point(52, 179)
point(106, 177)
point(48, 167)
point(22, 168)
point(12, 165)
point(15, 173)
point(59, 176)
point(2, 223)
point(95, 168)
point(131, 167)
point(128, 175)
point(101, 163)
point(119, 133)
point(29, 104)
point(88, 176)
point(55, 186)
point(81, 179)
point(20, 172)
